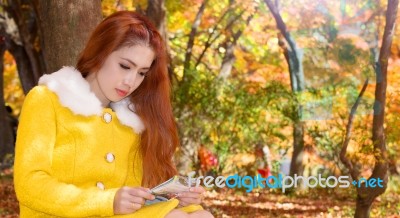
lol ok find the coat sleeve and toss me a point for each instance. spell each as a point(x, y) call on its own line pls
point(35, 185)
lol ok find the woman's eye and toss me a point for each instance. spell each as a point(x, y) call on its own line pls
point(142, 74)
point(124, 67)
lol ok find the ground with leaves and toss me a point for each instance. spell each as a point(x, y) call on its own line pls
point(258, 203)
point(311, 203)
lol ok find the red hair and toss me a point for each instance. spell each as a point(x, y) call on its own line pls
point(151, 99)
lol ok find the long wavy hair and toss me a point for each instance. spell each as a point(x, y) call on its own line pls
point(151, 99)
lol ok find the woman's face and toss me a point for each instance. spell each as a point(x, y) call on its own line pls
point(122, 72)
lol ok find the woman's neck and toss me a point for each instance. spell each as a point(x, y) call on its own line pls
point(96, 89)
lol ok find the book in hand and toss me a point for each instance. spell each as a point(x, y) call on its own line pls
point(174, 185)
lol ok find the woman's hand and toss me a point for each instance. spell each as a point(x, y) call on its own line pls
point(128, 200)
point(193, 196)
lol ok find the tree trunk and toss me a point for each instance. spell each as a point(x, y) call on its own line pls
point(21, 41)
point(378, 132)
point(6, 134)
point(229, 57)
point(65, 27)
point(190, 44)
point(362, 210)
point(366, 196)
point(185, 157)
point(227, 62)
point(294, 59)
point(25, 72)
point(296, 165)
point(156, 13)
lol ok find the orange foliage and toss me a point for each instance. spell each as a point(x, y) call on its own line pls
point(207, 159)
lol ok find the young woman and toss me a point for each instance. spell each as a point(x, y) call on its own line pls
point(94, 138)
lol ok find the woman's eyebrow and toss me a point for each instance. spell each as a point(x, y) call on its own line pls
point(133, 63)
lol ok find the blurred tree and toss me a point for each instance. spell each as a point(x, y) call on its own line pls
point(190, 43)
point(6, 134)
point(367, 194)
point(229, 47)
point(189, 145)
point(19, 21)
point(156, 12)
point(294, 58)
point(216, 27)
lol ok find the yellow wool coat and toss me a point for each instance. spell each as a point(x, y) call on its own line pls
point(72, 155)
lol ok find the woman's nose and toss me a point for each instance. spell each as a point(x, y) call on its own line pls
point(130, 79)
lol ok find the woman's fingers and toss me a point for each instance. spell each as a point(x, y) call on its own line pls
point(136, 206)
point(183, 203)
point(141, 192)
point(189, 195)
point(187, 201)
point(128, 200)
point(198, 189)
point(137, 200)
point(144, 189)
point(132, 199)
point(193, 196)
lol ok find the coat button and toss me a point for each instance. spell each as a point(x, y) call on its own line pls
point(110, 157)
point(107, 117)
point(100, 185)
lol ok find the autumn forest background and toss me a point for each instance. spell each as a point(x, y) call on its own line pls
point(306, 87)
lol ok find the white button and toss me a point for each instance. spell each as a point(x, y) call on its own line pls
point(100, 185)
point(110, 157)
point(107, 117)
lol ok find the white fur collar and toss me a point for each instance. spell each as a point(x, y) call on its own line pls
point(74, 93)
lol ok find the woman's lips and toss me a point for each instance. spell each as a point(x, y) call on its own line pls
point(121, 93)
